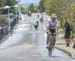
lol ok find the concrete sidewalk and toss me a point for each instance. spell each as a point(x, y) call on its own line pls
point(60, 44)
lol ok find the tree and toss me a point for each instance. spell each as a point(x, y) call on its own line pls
point(10, 2)
point(2, 3)
point(31, 7)
point(41, 6)
point(51, 6)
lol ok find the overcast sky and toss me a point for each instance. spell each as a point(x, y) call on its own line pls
point(29, 1)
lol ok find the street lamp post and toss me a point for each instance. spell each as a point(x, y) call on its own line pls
point(9, 24)
point(19, 8)
point(19, 14)
point(16, 6)
point(8, 7)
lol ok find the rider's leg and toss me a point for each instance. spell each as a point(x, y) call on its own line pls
point(48, 36)
point(54, 40)
point(50, 46)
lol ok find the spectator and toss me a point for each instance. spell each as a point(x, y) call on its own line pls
point(41, 18)
point(67, 29)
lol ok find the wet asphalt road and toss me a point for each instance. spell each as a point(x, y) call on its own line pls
point(36, 39)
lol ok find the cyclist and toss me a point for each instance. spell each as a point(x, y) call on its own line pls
point(36, 24)
point(41, 18)
point(51, 30)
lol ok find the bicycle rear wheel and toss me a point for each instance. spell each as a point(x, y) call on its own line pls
point(50, 47)
point(51, 44)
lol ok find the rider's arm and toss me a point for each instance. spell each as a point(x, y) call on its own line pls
point(57, 27)
point(47, 27)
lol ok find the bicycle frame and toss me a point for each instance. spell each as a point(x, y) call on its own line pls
point(52, 40)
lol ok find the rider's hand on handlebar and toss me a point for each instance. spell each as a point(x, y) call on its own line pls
point(48, 32)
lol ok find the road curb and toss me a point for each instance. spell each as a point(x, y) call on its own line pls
point(70, 54)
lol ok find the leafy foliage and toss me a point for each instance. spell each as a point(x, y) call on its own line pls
point(41, 5)
point(63, 8)
point(10, 2)
point(7, 2)
point(31, 7)
point(2, 3)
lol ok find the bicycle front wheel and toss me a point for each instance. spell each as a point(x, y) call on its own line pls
point(50, 51)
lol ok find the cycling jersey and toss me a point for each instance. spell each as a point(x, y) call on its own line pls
point(52, 26)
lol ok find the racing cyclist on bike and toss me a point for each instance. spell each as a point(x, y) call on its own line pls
point(51, 29)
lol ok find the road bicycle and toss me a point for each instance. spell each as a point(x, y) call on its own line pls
point(51, 43)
